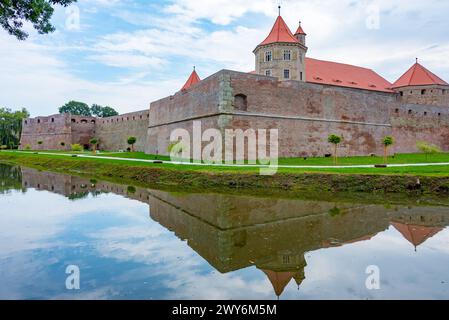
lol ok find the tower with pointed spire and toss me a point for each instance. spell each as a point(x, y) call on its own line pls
point(282, 53)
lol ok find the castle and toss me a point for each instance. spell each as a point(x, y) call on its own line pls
point(305, 99)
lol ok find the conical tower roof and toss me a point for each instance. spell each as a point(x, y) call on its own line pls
point(193, 79)
point(280, 33)
point(417, 75)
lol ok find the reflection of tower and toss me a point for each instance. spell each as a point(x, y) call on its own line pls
point(415, 234)
point(281, 271)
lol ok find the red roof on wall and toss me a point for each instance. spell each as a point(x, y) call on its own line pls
point(344, 75)
point(417, 75)
point(193, 79)
point(280, 33)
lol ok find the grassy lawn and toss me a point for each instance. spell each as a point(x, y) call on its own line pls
point(399, 159)
point(321, 161)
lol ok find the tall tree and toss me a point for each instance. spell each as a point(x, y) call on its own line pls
point(13, 14)
point(76, 108)
point(11, 126)
point(103, 112)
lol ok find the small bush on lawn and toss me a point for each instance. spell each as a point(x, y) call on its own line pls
point(77, 147)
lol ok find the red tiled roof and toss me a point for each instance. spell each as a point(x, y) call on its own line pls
point(300, 30)
point(344, 75)
point(193, 79)
point(280, 33)
point(417, 75)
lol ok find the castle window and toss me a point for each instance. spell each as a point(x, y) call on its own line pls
point(410, 112)
point(439, 114)
point(26, 122)
point(52, 119)
point(397, 110)
point(268, 73)
point(268, 56)
point(444, 91)
point(241, 102)
point(38, 120)
point(83, 121)
point(286, 74)
point(425, 113)
point(93, 121)
point(287, 55)
point(300, 76)
point(73, 120)
point(423, 92)
point(401, 93)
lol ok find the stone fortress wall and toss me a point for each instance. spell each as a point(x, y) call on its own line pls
point(305, 114)
point(112, 132)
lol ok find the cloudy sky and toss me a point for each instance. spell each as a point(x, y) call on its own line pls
point(127, 53)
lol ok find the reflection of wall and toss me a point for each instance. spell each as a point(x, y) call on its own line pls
point(233, 232)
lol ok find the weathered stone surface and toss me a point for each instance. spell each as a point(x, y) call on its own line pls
point(112, 132)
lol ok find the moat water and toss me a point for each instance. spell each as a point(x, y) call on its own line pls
point(136, 243)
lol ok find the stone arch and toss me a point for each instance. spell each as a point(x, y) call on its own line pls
point(241, 102)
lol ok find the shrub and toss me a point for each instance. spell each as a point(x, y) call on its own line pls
point(77, 147)
point(427, 148)
point(3, 147)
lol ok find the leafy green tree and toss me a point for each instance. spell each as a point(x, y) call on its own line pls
point(11, 126)
point(13, 14)
point(387, 142)
point(131, 142)
point(76, 108)
point(427, 148)
point(103, 112)
point(335, 140)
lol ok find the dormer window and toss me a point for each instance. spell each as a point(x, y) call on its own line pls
point(268, 56)
point(286, 73)
point(287, 55)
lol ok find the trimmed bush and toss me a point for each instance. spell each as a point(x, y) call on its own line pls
point(77, 147)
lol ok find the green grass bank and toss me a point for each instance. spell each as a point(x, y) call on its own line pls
point(432, 180)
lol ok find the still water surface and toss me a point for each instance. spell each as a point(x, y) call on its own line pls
point(135, 243)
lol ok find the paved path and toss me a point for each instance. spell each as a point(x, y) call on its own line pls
point(237, 165)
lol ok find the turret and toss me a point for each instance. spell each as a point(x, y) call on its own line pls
point(282, 54)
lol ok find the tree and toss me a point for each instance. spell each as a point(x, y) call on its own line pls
point(11, 126)
point(335, 140)
point(13, 14)
point(93, 142)
point(76, 108)
point(131, 142)
point(103, 112)
point(427, 148)
point(388, 141)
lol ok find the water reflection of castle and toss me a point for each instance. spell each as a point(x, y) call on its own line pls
point(235, 232)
